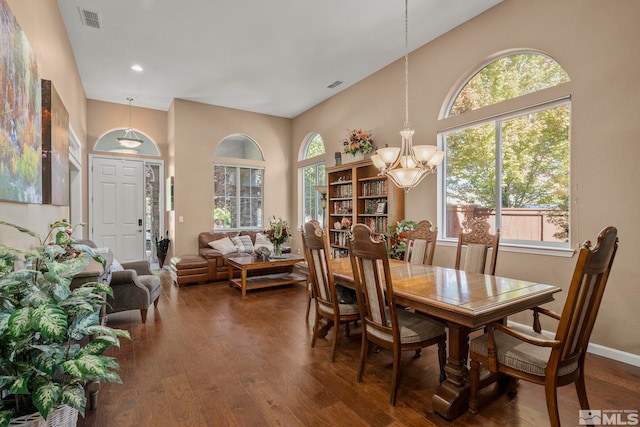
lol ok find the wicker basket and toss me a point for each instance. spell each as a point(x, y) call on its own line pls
point(64, 416)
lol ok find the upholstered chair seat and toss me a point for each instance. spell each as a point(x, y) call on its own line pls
point(134, 288)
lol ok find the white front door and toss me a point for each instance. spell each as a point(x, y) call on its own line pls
point(117, 208)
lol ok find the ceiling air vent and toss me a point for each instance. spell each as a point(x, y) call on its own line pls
point(90, 18)
point(334, 84)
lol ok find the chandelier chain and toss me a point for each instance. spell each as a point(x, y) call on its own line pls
point(406, 64)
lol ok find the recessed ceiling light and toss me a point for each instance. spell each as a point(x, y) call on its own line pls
point(136, 67)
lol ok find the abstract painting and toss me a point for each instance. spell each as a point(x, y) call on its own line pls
point(20, 121)
point(55, 147)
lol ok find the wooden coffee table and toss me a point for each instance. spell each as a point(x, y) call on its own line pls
point(244, 263)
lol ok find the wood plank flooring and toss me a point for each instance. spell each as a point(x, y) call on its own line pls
point(207, 357)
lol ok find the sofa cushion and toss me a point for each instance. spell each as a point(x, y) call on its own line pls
point(243, 243)
point(224, 245)
point(207, 236)
point(263, 241)
point(116, 266)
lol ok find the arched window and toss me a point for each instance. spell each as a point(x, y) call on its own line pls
point(506, 138)
point(312, 175)
point(238, 184)
point(109, 143)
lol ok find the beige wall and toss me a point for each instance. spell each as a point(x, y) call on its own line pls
point(596, 42)
point(196, 131)
point(42, 23)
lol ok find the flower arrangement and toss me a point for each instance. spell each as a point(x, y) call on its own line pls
point(358, 141)
point(278, 231)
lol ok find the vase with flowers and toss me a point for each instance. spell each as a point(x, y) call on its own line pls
point(358, 144)
point(278, 233)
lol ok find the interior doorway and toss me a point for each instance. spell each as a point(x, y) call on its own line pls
point(126, 212)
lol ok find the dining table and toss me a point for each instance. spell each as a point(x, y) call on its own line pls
point(464, 302)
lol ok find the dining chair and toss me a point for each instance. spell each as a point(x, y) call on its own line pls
point(421, 244)
point(383, 323)
point(327, 304)
point(551, 362)
point(476, 241)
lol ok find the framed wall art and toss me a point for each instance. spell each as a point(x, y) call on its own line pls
point(20, 123)
point(55, 147)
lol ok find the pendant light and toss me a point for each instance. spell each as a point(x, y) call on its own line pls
point(130, 138)
point(408, 165)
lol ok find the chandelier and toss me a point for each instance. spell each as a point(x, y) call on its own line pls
point(407, 165)
point(130, 138)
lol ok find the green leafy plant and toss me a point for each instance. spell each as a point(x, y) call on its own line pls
point(51, 340)
point(396, 236)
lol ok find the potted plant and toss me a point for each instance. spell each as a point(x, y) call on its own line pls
point(51, 340)
point(396, 236)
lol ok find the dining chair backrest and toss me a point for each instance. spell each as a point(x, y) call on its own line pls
point(585, 294)
point(372, 277)
point(477, 241)
point(317, 253)
point(421, 244)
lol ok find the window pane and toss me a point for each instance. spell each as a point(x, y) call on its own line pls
point(508, 78)
point(312, 209)
point(315, 147)
point(237, 206)
point(470, 176)
point(535, 176)
point(240, 147)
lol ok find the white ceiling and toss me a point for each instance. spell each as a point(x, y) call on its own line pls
point(273, 57)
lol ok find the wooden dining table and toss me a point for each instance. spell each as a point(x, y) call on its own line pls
point(464, 301)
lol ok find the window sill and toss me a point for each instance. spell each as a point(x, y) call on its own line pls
point(523, 249)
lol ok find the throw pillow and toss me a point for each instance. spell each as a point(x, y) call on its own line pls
point(243, 243)
point(116, 266)
point(224, 245)
point(263, 241)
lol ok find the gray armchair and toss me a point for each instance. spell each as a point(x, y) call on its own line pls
point(134, 288)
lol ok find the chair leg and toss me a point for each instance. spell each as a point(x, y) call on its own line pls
point(155, 303)
point(396, 376)
point(363, 355)
point(336, 337)
point(143, 314)
point(551, 393)
point(474, 384)
point(582, 391)
point(309, 298)
point(316, 325)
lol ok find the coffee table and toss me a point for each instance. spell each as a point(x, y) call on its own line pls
point(244, 263)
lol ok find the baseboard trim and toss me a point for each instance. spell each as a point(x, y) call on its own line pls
point(600, 350)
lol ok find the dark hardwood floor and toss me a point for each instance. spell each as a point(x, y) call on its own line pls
point(207, 357)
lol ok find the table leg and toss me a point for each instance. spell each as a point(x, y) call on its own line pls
point(243, 277)
point(452, 397)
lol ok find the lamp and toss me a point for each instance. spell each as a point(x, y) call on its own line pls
point(408, 165)
point(130, 138)
point(322, 189)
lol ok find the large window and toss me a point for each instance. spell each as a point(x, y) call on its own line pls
point(510, 167)
point(312, 176)
point(238, 188)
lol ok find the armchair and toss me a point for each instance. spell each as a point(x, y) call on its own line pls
point(134, 288)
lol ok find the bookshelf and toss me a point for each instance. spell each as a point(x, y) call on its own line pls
point(356, 194)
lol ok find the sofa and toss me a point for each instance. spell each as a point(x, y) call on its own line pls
point(216, 262)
